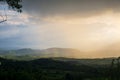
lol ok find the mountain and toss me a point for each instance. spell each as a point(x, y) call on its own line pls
point(69, 55)
point(50, 52)
point(24, 51)
point(61, 52)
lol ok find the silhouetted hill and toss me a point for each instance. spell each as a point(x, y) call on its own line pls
point(48, 69)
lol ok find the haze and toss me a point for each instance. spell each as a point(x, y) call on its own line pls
point(92, 26)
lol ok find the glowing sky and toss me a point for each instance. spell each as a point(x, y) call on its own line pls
point(92, 26)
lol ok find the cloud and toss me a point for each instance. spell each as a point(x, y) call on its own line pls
point(77, 8)
point(89, 25)
point(29, 36)
point(7, 31)
point(81, 33)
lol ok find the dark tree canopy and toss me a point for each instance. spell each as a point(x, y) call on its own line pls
point(14, 4)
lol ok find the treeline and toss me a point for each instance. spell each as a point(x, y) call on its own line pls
point(48, 69)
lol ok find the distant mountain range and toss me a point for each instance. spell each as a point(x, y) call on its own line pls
point(50, 52)
point(60, 54)
point(28, 53)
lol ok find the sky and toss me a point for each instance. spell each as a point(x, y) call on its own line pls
point(92, 26)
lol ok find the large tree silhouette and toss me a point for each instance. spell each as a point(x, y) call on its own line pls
point(14, 4)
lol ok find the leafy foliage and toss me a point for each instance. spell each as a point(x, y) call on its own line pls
point(49, 69)
point(14, 4)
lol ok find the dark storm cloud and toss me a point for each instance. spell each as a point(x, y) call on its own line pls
point(69, 7)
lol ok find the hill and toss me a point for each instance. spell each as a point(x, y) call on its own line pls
point(48, 69)
point(59, 54)
point(50, 52)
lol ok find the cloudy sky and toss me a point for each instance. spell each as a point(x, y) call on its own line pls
point(92, 26)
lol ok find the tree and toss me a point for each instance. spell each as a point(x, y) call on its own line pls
point(115, 69)
point(68, 76)
point(14, 4)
